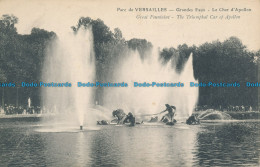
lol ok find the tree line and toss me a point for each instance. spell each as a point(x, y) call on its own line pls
point(22, 58)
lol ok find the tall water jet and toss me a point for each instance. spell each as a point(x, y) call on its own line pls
point(151, 100)
point(29, 102)
point(70, 59)
point(189, 95)
point(139, 100)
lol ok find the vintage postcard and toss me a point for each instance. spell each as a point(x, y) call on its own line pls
point(129, 83)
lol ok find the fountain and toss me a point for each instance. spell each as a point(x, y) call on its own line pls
point(70, 59)
point(151, 100)
point(189, 95)
point(29, 102)
point(214, 115)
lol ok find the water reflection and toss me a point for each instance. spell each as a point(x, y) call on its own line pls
point(83, 152)
point(221, 144)
point(105, 149)
point(229, 144)
point(144, 146)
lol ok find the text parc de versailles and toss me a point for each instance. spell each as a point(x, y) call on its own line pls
point(133, 84)
point(162, 11)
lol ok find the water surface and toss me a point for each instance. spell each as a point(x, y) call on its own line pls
point(27, 143)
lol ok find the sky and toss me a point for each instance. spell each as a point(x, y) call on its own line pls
point(60, 15)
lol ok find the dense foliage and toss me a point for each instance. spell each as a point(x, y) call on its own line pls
point(221, 62)
point(22, 57)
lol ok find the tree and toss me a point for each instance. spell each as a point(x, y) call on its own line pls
point(21, 56)
point(7, 24)
point(141, 45)
point(2, 76)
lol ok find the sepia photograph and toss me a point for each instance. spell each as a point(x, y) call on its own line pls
point(170, 83)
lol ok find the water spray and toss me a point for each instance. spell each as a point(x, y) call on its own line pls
point(71, 58)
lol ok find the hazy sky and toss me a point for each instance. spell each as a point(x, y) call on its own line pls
point(60, 15)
